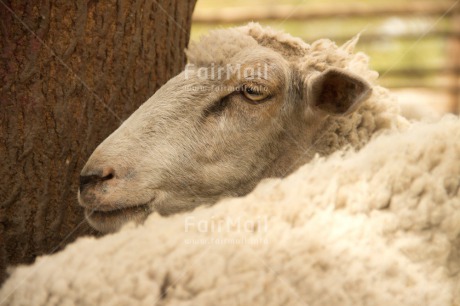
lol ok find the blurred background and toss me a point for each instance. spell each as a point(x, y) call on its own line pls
point(414, 45)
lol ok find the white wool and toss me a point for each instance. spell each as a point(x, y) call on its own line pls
point(376, 227)
point(418, 110)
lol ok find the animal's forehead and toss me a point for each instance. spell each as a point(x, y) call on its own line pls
point(221, 45)
point(224, 46)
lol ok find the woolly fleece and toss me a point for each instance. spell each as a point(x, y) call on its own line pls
point(376, 227)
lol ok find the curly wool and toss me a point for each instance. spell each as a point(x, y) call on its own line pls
point(376, 227)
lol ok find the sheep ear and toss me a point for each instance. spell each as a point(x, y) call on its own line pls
point(336, 91)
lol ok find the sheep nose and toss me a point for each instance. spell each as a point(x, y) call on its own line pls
point(92, 179)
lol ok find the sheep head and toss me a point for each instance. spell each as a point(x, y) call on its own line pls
point(249, 105)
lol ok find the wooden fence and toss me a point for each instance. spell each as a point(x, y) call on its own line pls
point(449, 11)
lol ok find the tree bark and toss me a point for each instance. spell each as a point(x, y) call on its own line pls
point(71, 72)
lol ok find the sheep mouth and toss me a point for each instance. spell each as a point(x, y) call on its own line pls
point(127, 213)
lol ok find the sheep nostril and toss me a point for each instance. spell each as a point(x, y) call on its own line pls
point(108, 177)
point(107, 174)
point(88, 180)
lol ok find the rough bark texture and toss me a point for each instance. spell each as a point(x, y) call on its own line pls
point(70, 72)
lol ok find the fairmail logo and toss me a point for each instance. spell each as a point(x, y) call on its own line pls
point(225, 225)
point(225, 72)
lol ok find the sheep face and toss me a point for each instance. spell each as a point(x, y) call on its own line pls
point(215, 130)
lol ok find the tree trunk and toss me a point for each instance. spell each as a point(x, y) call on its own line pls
point(71, 72)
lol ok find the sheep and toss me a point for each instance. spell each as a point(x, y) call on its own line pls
point(377, 226)
point(252, 103)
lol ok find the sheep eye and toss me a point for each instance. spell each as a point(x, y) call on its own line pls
point(254, 93)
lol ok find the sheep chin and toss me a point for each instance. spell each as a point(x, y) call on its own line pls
point(112, 221)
